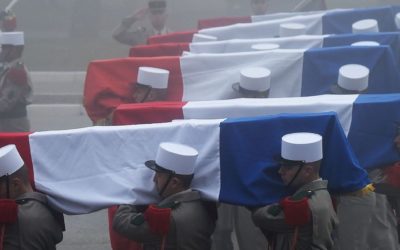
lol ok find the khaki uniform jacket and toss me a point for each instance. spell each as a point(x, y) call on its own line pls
point(190, 228)
point(125, 35)
point(36, 229)
point(316, 235)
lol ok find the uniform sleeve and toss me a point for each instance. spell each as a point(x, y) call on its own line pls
point(271, 221)
point(38, 229)
point(123, 33)
point(14, 90)
point(131, 224)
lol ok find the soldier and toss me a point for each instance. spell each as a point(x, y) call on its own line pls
point(255, 82)
point(366, 218)
point(150, 86)
point(181, 220)
point(259, 7)
point(157, 14)
point(306, 219)
point(15, 84)
point(26, 219)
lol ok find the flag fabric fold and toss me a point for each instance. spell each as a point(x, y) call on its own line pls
point(371, 122)
point(317, 23)
point(84, 170)
point(293, 72)
point(110, 83)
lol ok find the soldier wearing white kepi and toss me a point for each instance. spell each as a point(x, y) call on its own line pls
point(15, 84)
point(306, 219)
point(181, 219)
point(26, 219)
point(151, 85)
point(366, 218)
point(255, 82)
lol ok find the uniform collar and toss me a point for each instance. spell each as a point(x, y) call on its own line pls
point(184, 196)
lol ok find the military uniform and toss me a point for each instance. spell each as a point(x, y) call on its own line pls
point(36, 228)
point(191, 225)
point(15, 95)
point(124, 34)
point(316, 234)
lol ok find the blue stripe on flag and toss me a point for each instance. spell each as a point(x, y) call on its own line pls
point(248, 147)
point(340, 22)
point(391, 39)
point(321, 68)
point(375, 123)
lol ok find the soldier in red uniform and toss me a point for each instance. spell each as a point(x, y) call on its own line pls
point(15, 84)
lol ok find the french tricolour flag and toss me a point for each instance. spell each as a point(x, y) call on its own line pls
point(84, 170)
point(297, 42)
point(317, 23)
point(199, 77)
point(87, 169)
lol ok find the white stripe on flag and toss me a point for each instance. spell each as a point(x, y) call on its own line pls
point(235, 108)
point(265, 29)
point(202, 72)
point(87, 169)
point(243, 45)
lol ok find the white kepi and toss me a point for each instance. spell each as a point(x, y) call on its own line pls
point(12, 38)
point(366, 43)
point(265, 46)
point(10, 160)
point(353, 77)
point(153, 77)
point(365, 26)
point(397, 20)
point(306, 147)
point(197, 38)
point(174, 158)
point(292, 29)
point(255, 79)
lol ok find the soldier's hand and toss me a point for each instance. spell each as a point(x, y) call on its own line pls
point(140, 14)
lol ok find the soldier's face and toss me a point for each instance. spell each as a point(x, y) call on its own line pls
point(158, 18)
point(142, 94)
point(287, 174)
point(259, 7)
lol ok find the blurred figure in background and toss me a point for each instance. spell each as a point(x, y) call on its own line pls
point(310, 5)
point(15, 84)
point(156, 12)
point(259, 7)
point(8, 21)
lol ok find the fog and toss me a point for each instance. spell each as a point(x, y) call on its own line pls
point(64, 35)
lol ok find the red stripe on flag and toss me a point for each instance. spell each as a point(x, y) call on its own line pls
point(165, 49)
point(222, 21)
point(144, 113)
point(175, 37)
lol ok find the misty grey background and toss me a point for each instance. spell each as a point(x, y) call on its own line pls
point(65, 35)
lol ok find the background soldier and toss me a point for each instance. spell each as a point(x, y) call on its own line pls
point(157, 14)
point(15, 84)
point(26, 220)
